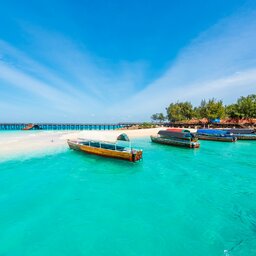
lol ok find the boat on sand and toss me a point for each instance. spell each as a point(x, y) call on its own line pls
point(107, 148)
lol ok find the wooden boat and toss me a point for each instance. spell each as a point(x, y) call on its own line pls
point(242, 134)
point(176, 138)
point(215, 135)
point(177, 130)
point(107, 149)
point(31, 127)
point(182, 130)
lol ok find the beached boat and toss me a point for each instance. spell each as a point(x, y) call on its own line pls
point(107, 148)
point(242, 134)
point(176, 137)
point(215, 135)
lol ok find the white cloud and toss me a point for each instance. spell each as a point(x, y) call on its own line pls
point(66, 78)
point(69, 83)
point(221, 63)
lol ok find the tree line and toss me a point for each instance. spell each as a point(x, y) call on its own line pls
point(245, 107)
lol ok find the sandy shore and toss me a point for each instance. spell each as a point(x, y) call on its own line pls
point(33, 143)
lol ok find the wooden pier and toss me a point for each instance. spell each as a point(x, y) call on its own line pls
point(107, 126)
point(62, 126)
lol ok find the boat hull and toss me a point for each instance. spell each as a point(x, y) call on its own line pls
point(175, 142)
point(217, 138)
point(246, 137)
point(128, 156)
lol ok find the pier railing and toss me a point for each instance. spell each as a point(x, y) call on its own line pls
point(63, 126)
point(109, 126)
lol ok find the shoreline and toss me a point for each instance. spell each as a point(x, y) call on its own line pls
point(26, 144)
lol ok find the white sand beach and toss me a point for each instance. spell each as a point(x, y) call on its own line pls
point(33, 143)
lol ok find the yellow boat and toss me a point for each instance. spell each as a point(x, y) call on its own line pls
point(107, 149)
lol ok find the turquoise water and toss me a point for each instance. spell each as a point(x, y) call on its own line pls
point(174, 202)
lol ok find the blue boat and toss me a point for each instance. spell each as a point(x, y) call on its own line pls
point(216, 135)
point(242, 134)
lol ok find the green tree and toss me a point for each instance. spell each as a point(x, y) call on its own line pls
point(202, 109)
point(211, 109)
point(232, 111)
point(158, 117)
point(180, 111)
point(246, 106)
point(161, 117)
point(154, 117)
point(196, 112)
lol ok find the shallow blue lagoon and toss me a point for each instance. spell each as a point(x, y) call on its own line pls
point(174, 202)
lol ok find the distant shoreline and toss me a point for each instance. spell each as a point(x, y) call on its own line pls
point(193, 123)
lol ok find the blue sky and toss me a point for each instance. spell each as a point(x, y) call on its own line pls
point(108, 61)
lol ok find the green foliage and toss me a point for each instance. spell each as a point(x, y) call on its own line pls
point(161, 117)
point(232, 111)
point(180, 111)
point(245, 107)
point(211, 109)
point(201, 110)
point(196, 113)
point(154, 117)
point(158, 117)
point(146, 125)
